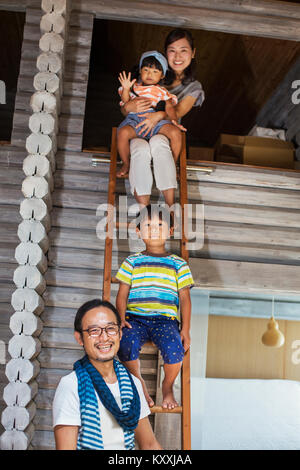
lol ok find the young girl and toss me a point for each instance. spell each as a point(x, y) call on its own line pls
point(152, 69)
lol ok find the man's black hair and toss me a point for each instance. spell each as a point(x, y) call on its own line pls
point(87, 306)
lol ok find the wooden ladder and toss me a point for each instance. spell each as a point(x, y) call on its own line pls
point(185, 408)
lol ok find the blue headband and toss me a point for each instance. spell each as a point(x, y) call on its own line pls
point(158, 56)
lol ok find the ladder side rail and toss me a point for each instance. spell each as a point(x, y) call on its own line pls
point(186, 369)
point(106, 292)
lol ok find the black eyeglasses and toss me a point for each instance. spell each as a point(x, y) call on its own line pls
point(110, 330)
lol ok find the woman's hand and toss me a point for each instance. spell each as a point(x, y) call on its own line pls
point(176, 123)
point(147, 125)
point(137, 105)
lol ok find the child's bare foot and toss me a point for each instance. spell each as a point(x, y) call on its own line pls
point(147, 396)
point(169, 401)
point(123, 171)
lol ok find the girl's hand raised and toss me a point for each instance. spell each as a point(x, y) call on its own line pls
point(125, 81)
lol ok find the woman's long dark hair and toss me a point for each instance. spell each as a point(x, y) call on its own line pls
point(190, 71)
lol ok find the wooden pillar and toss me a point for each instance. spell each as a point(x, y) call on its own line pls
point(31, 253)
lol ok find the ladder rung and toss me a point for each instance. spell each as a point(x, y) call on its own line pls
point(149, 348)
point(98, 150)
point(122, 224)
point(160, 409)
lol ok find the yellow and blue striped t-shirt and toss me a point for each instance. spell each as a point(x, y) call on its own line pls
point(154, 283)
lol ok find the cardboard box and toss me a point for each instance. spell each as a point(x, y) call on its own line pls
point(229, 148)
point(201, 153)
point(257, 151)
point(263, 151)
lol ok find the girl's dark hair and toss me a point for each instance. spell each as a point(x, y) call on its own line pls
point(150, 61)
point(152, 210)
point(87, 306)
point(190, 71)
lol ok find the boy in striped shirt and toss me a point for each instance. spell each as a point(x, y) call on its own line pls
point(153, 284)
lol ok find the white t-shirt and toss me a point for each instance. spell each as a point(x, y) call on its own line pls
point(66, 410)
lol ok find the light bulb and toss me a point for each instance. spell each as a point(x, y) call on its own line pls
point(273, 336)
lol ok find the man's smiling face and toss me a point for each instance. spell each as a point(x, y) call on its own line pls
point(103, 347)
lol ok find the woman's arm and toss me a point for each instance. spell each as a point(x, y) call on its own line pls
point(136, 105)
point(184, 106)
point(172, 115)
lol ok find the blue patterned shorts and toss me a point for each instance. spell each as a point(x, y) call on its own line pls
point(132, 119)
point(163, 331)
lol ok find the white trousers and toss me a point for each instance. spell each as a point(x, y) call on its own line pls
point(140, 173)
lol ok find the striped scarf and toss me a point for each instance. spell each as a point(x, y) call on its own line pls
point(89, 381)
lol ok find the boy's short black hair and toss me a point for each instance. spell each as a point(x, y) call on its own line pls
point(87, 306)
point(152, 210)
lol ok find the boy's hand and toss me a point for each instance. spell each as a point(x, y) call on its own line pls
point(186, 339)
point(125, 81)
point(125, 324)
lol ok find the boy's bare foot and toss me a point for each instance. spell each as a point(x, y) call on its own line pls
point(147, 396)
point(123, 171)
point(169, 401)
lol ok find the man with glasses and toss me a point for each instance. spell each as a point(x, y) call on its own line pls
point(100, 405)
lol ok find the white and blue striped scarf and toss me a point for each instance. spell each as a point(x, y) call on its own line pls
point(91, 381)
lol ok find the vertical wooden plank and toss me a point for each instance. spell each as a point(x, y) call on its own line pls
point(186, 368)
point(183, 197)
point(110, 218)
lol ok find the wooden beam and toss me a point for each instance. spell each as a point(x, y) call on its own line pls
point(266, 19)
point(245, 277)
point(13, 5)
point(243, 304)
point(271, 7)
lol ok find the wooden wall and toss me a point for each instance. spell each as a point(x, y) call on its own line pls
point(251, 215)
point(11, 35)
point(235, 350)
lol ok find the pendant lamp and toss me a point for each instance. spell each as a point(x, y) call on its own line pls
point(273, 337)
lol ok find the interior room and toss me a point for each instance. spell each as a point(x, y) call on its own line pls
point(245, 394)
point(239, 75)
